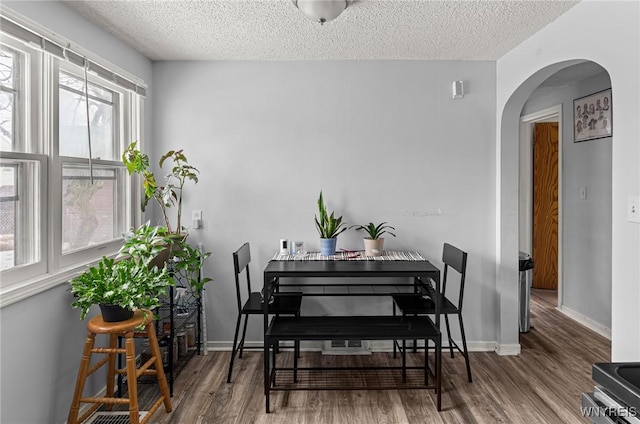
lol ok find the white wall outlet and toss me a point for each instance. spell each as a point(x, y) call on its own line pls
point(633, 209)
point(583, 193)
point(196, 219)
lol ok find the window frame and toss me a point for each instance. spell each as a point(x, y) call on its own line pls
point(16, 91)
point(15, 275)
point(38, 139)
point(121, 131)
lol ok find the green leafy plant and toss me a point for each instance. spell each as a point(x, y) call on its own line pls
point(375, 231)
point(153, 245)
point(168, 195)
point(328, 225)
point(187, 262)
point(145, 242)
point(127, 283)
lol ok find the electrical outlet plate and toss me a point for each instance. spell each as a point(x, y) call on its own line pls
point(633, 209)
point(197, 214)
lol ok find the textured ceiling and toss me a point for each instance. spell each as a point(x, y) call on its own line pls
point(276, 30)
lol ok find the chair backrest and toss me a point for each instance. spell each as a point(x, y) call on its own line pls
point(241, 259)
point(456, 259)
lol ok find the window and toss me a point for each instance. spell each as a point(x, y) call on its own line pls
point(19, 200)
point(65, 195)
point(73, 119)
point(94, 206)
point(92, 213)
point(21, 169)
point(9, 88)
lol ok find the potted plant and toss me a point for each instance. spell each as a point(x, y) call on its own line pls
point(148, 244)
point(143, 241)
point(168, 195)
point(187, 262)
point(125, 284)
point(329, 227)
point(374, 243)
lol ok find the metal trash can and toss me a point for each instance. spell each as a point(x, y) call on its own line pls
point(524, 291)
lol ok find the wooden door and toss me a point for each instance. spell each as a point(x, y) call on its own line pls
point(545, 205)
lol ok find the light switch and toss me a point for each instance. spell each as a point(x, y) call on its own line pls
point(583, 193)
point(633, 211)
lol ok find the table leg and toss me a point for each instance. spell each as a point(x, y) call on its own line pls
point(438, 354)
point(267, 382)
point(426, 362)
point(404, 361)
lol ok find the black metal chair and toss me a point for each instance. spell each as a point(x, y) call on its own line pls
point(418, 304)
point(284, 303)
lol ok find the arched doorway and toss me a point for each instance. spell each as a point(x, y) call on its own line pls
point(565, 193)
point(507, 205)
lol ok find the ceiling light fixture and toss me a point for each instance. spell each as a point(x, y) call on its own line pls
point(321, 10)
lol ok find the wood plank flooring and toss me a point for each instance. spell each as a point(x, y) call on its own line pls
point(542, 385)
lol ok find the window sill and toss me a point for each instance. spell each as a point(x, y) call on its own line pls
point(20, 291)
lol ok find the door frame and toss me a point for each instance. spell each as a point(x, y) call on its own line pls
point(527, 122)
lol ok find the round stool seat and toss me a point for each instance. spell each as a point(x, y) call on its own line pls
point(141, 317)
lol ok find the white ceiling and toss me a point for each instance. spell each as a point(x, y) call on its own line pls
point(276, 30)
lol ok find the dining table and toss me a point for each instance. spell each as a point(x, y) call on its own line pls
point(350, 274)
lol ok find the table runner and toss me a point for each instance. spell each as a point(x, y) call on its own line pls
point(387, 255)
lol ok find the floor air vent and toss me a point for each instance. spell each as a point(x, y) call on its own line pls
point(119, 417)
point(346, 347)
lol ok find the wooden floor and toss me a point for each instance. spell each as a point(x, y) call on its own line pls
point(542, 385)
point(551, 296)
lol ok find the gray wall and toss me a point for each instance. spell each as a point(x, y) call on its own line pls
point(384, 140)
point(41, 338)
point(586, 238)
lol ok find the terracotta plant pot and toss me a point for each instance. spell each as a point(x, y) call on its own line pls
point(373, 247)
point(167, 253)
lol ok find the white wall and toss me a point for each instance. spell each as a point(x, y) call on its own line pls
point(384, 140)
point(616, 48)
point(586, 276)
point(42, 337)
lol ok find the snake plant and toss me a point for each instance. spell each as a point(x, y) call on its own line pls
point(328, 225)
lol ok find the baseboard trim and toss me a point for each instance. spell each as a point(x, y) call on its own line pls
point(508, 349)
point(586, 321)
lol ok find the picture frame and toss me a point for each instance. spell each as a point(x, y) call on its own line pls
point(597, 120)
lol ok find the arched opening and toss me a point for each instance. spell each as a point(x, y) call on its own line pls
point(565, 192)
point(528, 98)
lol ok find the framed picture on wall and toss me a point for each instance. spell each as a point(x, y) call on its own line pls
point(592, 116)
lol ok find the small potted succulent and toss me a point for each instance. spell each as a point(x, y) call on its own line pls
point(374, 243)
point(329, 227)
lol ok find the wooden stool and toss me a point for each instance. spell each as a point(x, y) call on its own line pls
point(114, 329)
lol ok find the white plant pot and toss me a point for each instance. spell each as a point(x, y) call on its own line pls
point(373, 247)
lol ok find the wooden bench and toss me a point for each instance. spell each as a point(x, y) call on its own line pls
point(353, 327)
